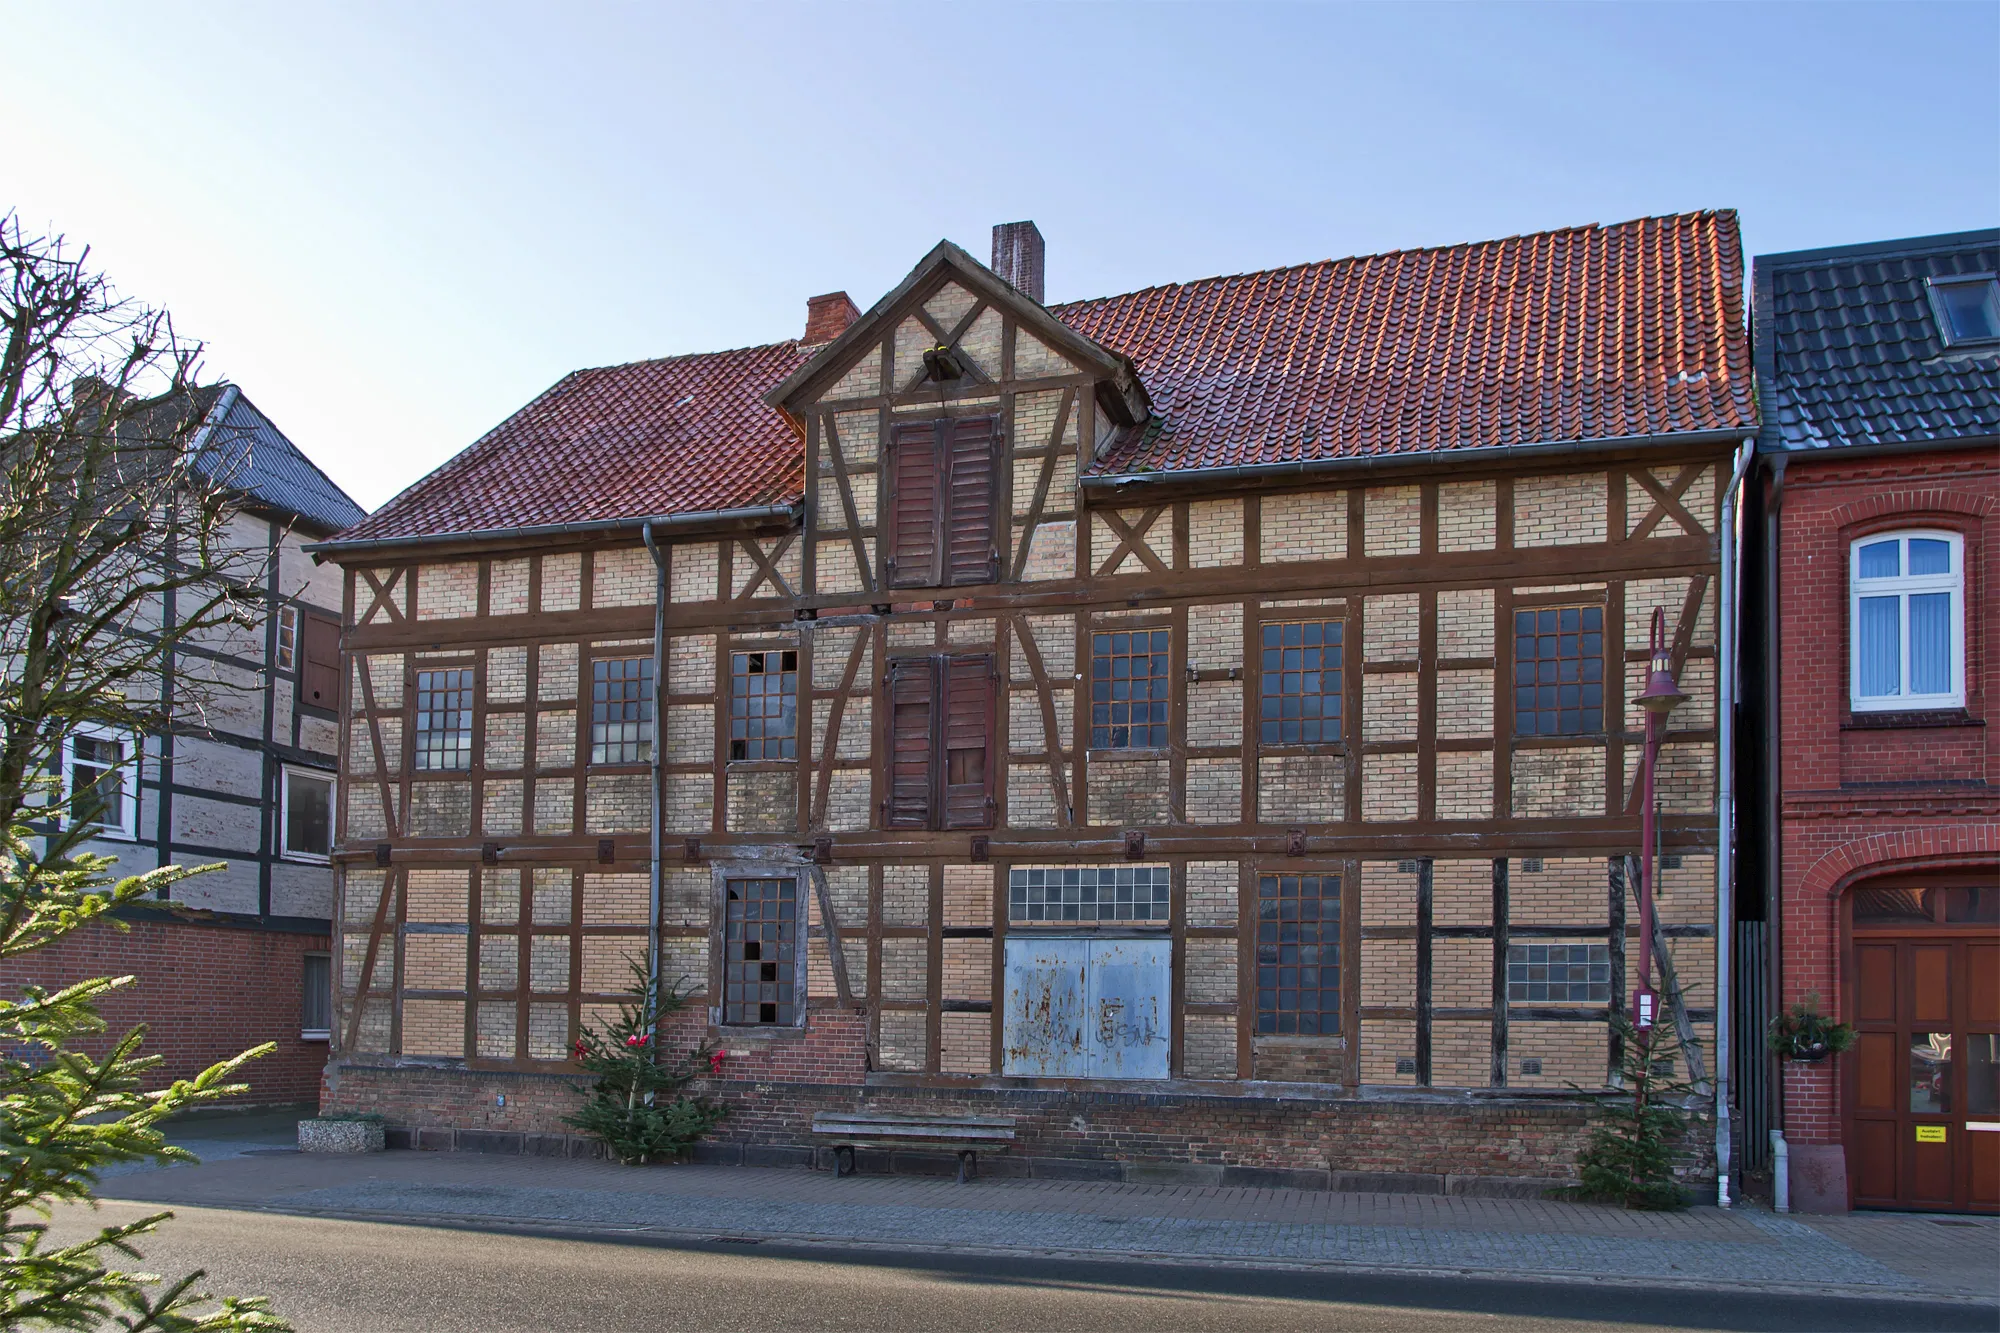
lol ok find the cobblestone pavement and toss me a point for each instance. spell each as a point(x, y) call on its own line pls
point(1879, 1254)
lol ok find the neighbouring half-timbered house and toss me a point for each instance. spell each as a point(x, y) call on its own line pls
point(1196, 722)
point(244, 776)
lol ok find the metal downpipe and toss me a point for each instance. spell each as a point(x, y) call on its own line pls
point(656, 878)
point(1727, 817)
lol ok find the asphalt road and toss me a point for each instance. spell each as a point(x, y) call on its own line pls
point(331, 1276)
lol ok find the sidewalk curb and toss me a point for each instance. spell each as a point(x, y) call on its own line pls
point(676, 1237)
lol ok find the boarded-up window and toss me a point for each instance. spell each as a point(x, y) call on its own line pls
point(940, 720)
point(942, 506)
point(319, 682)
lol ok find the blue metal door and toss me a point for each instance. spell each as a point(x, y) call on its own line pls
point(1087, 1008)
point(1043, 1034)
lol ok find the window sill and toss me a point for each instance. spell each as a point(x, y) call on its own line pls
point(763, 765)
point(1127, 754)
point(306, 858)
point(1910, 719)
point(316, 1034)
point(1279, 748)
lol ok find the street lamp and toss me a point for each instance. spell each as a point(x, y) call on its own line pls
point(1660, 697)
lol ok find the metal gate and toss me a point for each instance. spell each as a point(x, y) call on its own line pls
point(1087, 1008)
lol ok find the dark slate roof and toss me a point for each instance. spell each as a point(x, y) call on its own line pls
point(243, 450)
point(1849, 352)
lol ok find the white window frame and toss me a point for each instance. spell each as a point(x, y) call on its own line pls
point(1902, 586)
point(287, 852)
point(127, 828)
point(316, 1034)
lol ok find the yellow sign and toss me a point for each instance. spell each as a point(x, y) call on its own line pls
point(1930, 1133)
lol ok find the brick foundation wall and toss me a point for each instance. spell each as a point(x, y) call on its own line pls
point(205, 992)
point(1393, 1143)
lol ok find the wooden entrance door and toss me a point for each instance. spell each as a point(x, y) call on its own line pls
point(1922, 1084)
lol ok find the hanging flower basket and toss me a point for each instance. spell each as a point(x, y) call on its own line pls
point(1803, 1034)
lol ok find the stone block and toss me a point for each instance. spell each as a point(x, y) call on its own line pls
point(342, 1135)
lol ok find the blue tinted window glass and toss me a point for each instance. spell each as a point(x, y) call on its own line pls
point(1881, 560)
point(1928, 555)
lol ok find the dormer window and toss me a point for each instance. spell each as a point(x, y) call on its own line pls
point(1968, 308)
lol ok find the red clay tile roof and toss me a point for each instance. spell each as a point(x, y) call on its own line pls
point(681, 435)
point(1564, 335)
point(1587, 333)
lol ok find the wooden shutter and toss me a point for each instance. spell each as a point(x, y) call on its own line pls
point(912, 692)
point(972, 554)
point(967, 764)
point(319, 677)
point(916, 504)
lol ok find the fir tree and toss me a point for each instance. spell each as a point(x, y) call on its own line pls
point(637, 1106)
point(66, 1114)
point(1630, 1156)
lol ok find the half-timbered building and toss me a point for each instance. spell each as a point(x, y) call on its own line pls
point(1196, 723)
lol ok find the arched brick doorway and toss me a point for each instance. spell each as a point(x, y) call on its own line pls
point(1920, 1092)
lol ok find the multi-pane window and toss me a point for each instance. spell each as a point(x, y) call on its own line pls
point(288, 637)
point(1906, 620)
point(1300, 691)
point(1298, 954)
point(764, 705)
point(1559, 671)
point(621, 710)
point(308, 813)
point(1128, 690)
point(1089, 893)
point(444, 719)
point(760, 962)
point(99, 798)
point(1566, 973)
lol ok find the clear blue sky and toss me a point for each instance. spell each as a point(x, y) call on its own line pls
point(394, 224)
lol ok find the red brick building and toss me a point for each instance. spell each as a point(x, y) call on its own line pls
point(1873, 554)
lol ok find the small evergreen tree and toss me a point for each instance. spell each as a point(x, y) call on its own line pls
point(1630, 1157)
point(65, 1115)
point(637, 1106)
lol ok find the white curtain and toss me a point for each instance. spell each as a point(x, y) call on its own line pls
point(1930, 643)
point(1878, 659)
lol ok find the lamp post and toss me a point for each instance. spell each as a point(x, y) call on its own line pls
point(1660, 697)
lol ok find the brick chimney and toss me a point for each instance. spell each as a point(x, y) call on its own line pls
point(827, 317)
point(1017, 257)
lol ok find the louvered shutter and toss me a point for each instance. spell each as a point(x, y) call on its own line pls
point(916, 484)
point(971, 552)
point(319, 674)
point(968, 741)
point(912, 691)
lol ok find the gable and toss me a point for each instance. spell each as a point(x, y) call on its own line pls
point(952, 300)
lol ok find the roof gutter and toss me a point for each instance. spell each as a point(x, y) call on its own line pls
point(662, 524)
point(1425, 458)
point(1886, 450)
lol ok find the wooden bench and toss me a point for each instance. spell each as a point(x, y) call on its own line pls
point(966, 1135)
